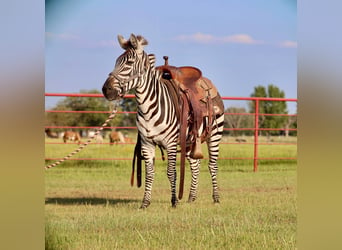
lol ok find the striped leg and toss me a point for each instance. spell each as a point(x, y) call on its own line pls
point(171, 172)
point(148, 152)
point(213, 150)
point(194, 166)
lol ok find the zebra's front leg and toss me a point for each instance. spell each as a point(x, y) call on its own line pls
point(194, 166)
point(149, 155)
point(171, 172)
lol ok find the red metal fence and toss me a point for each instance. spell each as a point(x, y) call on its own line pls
point(256, 127)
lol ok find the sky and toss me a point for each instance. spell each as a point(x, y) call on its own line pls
point(236, 44)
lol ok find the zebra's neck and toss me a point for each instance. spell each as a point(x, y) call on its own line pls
point(156, 116)
point(149, 92)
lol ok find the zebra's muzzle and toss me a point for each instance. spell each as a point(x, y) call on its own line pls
point(110, 92)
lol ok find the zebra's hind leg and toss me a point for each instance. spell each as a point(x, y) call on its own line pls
point(171, 172)
point(213, 172)
point(213, 150)
point(213, 155)
point(194, 166)
point(148, 154)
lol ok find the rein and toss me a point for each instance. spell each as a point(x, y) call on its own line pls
point(122, 81)
point(111, 116)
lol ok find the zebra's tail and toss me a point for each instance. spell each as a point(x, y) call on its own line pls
point(137, 156)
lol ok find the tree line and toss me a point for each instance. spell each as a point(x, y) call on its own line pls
point(240, 117)
point(233, 118)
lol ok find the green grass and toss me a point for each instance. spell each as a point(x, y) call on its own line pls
point(91, 205)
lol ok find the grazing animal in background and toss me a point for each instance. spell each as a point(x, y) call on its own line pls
point(169, 112)
point(51, 134)
point(128, 139)
point(240, 140)
point(115, 137)
point(71, 136)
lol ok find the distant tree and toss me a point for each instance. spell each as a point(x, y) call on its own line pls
point(291, 124)
point(90, 119)
point(270, 107)
point(79, 104)
point(238, 121)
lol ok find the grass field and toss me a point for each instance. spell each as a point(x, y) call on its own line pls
point(91, 205)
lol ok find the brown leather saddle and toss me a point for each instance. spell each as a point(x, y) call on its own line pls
point(196, 99)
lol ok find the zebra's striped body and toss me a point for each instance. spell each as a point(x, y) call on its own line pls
point(156, 116)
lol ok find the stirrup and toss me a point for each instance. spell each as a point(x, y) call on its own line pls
point(196, 152)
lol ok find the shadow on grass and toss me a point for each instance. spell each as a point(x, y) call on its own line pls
point(87, 200)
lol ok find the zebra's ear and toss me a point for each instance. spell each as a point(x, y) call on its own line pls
point(138, 42)
point(142, 40)
point(123, 42)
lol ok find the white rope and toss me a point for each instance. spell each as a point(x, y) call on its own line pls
point(112, 115)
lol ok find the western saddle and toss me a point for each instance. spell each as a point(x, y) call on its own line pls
point(197, 102)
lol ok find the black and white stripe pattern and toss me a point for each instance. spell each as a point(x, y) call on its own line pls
point(156, 117)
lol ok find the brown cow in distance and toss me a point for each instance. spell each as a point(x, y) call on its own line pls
point(51, 134)
point(72, 136)
point(116, 136)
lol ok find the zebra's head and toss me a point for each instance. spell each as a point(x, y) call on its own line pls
point(129, 68)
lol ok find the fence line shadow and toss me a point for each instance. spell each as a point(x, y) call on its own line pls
point(87, 200)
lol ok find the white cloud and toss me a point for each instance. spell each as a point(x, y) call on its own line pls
point(241, 38)
point(198, 37)
point(288, 44)
point(209, 39)
point(62, 36)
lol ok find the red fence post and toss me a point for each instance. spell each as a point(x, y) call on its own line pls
point(256, 134)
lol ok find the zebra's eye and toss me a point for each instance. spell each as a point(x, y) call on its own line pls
point(130, 62)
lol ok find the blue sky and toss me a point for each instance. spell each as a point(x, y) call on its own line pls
point(237, 44)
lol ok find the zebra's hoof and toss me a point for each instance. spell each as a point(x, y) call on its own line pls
point(144, 205)
point(191, 199)
point(216, 199)
point(174, 203)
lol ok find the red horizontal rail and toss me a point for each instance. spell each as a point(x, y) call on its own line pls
point(93, 127)
point(262, 114)
point(81, 95)
point(233, 143)
point(100, 143)
point(223, 98)
point(89, 111)
point(223, 158)
point(264, 129)
point(127, 127)
point(260, 99)
point(134, 112)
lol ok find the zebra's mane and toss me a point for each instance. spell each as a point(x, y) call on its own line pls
point(152, 60)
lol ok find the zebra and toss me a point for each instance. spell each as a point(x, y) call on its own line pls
point(156, 117)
